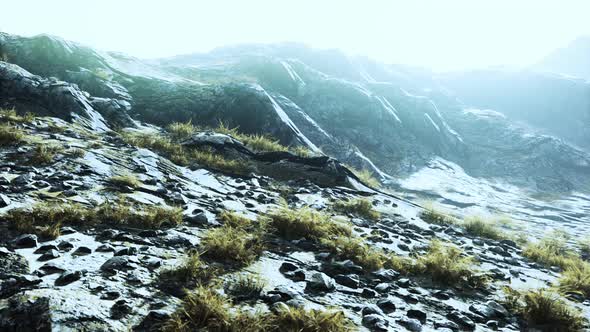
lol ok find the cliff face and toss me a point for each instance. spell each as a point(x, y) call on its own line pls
point(391, 119)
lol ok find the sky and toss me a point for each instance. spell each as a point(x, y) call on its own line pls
point(441, 35)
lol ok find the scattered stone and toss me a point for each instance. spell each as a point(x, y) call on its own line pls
point(348, 280)
point(49, 255)
point(82, 251)
point(68, 277)
point(386, 305)
point(411, 324)
point(120, 309)
point(375, 322)
point(417, 314)
point(321, 282)
point(26, 241)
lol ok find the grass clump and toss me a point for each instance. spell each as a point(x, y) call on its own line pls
point(258, 143)
point(44, 154)
point(11, 116)
point(234, 219)
point(301, 320)
point(483, 228)
point(181, 130)
point(356, 250)
point(366, 177)
point(434, 216)
point(76, 152)
point(358, 206)
point(203, 309)
point(46, 219)
point(206, 310)
point(298, 223)
point(576, 279)
point(302, 151)
point(125, 180)
point(192, 271)
point(544, 309)
point(448, 265)
point(149, 216)
point(551, 250)
point(210, 159)
point(234, 245)
point(245, 287)
point(10, 134)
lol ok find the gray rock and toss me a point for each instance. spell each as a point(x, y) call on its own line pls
point(348, 280)
point(375, 322)
point(26, 241)
point(68, 277)
point(411, 324)
point(321, 282)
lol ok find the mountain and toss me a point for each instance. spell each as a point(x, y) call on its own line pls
point(572, 60)
point(127, 183)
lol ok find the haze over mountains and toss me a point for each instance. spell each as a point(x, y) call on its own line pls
point(489, 141)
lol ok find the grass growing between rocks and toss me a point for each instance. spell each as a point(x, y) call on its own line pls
point(294, 224)
point(204, 309)
point(45, 219)
point(358, 206)
point(233, 245)
point(184, 156)
point(44, 154)
point(181, 130)
point(447, 264)
point(11, 115)
point(544, 309)
point(551, 250)
point(334, 236)
point(125, 180)
point(258, 143)
point(10, 135)
point(191, 271)
point(478, 226)
point(435, 216)
point(245, 286)
point(366, 176)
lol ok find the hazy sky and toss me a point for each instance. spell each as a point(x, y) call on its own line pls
point(448, 34)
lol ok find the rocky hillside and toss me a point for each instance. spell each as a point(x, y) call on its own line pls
point(211, 191)
point(572, 60)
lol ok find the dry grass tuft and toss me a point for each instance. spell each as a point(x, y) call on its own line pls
point(358, 206)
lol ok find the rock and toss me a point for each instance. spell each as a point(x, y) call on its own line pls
point(127, 251)
point(45, 248)
point(12, 263)
point(371, 309)
point(26, 314)
point(105, 248)
point(459, 318)
point(49, 255)
point(417, 314)
point(369, 293)
point(375, 322)
point(199, 219)
point(68, 277)
point(17, 284)
point(386, 275)
point(297, 275)
point(386, 305)
point(152, 321)
point(4, 201)
point(321, 282)
point(287, 267)
point(411, 324)
point(26, 241)
point(348, 280)
point(65, 246)
point(120, 309)
point(82, 251)
point(118, 263)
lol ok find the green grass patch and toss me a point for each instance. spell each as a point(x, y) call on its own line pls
point(206, 310)
point(125, 180)
point(358, 206)
point(44, 154)
point(366, 176)
point(233, 245)
point(478, 226)
point(435, 216)
point(191, 271)
point(11, 115)
point(576, 279)
point(306, 223)
point(245, 286)
point(10, 135)
point(551, 250)
point(543, 309)
point(181, 130)
point(448, 265)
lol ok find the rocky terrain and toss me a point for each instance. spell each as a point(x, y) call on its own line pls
point(125, 205)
